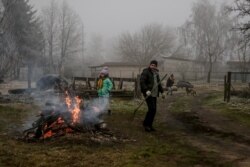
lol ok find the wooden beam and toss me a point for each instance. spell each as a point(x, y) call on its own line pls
point(228, 86)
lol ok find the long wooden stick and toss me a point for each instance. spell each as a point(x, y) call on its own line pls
point(148, 96)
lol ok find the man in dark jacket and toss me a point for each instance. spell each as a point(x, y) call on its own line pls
point(150, 87)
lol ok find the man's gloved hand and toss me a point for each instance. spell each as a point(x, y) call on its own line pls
point(148, 93)
point(163, 96)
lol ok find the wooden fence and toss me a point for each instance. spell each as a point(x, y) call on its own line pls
point(228, 84)
point(87, 86)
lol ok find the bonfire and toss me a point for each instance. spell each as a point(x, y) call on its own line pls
point(67, 117)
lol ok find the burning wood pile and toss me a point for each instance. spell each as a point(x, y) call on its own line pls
point(67, 117)
point(64, 113)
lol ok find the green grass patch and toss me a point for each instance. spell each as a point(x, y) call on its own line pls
point(237, 109)
point(14, 113)
point(160, 149)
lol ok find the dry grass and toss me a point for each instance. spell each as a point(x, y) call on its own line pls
point(4, 87)
point(166, 147)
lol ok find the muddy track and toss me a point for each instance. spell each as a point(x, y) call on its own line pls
point(209, 130)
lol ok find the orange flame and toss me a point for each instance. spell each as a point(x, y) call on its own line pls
point(76, 110)
point(68, 100)
point(54, 128)
point(57, 127)
point(48, 134)
point(73, 108)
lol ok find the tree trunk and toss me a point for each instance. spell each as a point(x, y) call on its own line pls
point(209, 69)
point(208, 76)
point(29, 75)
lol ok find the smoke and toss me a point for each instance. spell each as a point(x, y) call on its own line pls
point(63, 102)
point(91, 110)
point(45, 101)
point(93, 113)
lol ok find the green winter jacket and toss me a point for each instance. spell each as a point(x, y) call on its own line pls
point(106, 88)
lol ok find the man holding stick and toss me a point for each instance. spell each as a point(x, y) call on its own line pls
point(150, 87)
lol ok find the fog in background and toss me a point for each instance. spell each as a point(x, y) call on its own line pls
point(110, 18)
point(69, 36)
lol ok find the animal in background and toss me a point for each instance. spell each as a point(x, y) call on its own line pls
point(191, 91)
point(184, 84)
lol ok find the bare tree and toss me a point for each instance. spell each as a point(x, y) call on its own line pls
point(69, 35)
point(1, 11)
point(83, 46)
point(243, 56)
point(150, 42)
point(62, 31)
point(242, 10)
point(242, 52)
point(208, 33)
point(50, 26)
point(95, 49)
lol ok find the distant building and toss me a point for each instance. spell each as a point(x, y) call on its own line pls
point(181, 68)
point(118, 69)
point(184, 68)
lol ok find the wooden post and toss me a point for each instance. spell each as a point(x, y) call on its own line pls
point(120, 84)
point(228, 86)
point(95, 82)
point(113, 81)
point(225, 87)
point(88, 83)
point(137, 90)
point(29, 74)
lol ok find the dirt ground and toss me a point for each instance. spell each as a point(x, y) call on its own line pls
point(195, 131)
point(209, 129)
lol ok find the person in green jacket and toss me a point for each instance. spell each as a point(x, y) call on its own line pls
point(104, 86)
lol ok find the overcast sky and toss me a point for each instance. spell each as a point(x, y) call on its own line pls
point(110, 18)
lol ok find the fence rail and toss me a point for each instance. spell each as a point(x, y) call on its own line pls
point(89, 86)
point(222, 79)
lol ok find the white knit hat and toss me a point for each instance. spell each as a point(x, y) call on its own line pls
point(105, 71)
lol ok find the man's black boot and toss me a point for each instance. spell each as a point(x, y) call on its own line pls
point(147, 129)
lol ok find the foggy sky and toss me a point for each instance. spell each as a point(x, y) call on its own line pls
point(110, 18)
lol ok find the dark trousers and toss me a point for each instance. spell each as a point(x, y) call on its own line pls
point(149, 118)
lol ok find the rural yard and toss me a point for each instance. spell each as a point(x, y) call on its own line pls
point(199, 131)
point(73, 75)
